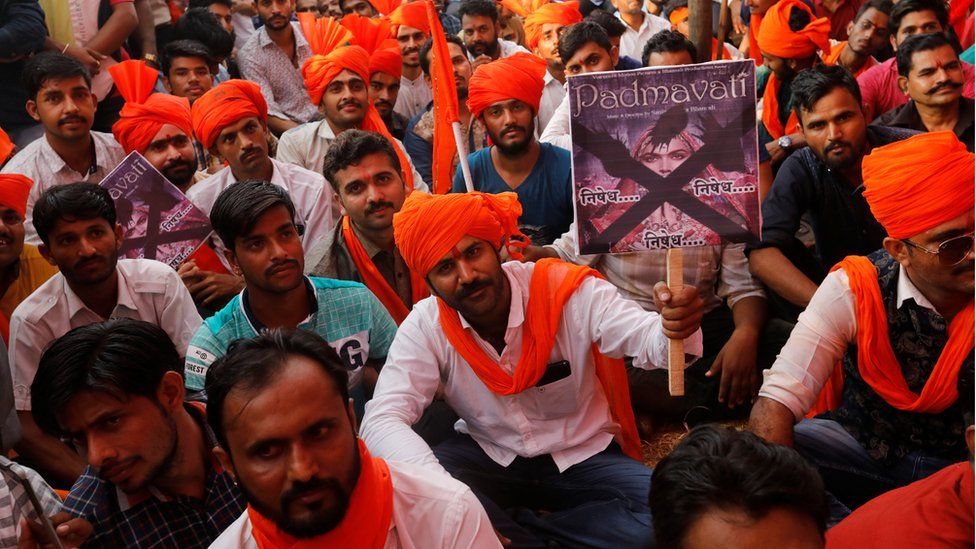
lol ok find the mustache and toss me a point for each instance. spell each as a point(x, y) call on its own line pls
point(352, 102)
point(467, 289)
point(408, 51)
point(299, 489)
point(189, 164)
point(376, 206)
point(70, 118)
point(512, 128)
point(89, 261)
point(947, 84)
point(279, 265)
point(835, 145)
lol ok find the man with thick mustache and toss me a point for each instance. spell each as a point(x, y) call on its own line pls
point(481, 32)
point(932, 76)
point(504, 95)
point(60, 98)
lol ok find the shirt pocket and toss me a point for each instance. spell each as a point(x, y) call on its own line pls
point(553, 400)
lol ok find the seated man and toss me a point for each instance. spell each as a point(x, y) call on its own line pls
point(189, 71)
point(867, 35)
point(480, 31)
point(641, 25)
point(255, 220)
point(114, 390)
point(322, 488)
point(930, 72)
point(901, 319)
point(412, 29)
point(504, 96)
point(536, 377)
point(669, 48)
point(60, 98)
point(724, 488)
point(933, 512)
point(542, 29)
point(78, 227)
point(823, 179)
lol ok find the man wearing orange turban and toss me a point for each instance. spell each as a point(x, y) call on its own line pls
point(385, 67)
point(533, 357)
point(542, 30)
point(878, 351)
point(411, 30)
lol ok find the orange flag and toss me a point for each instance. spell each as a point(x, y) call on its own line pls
point(445, 105)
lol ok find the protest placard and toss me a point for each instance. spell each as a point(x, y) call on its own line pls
point(158, 221)
point(665, 157)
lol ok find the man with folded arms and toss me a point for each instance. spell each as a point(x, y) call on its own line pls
point(900, 319)
point(530, 357)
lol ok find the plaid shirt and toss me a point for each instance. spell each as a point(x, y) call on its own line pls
point(14, 502)
point(153, 519)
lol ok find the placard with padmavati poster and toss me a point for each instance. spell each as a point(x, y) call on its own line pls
point(665, 157)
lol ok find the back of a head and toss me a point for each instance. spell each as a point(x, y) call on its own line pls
point(72, 202)
point(429, 45)
point(813, 84)
point(579, 35)
point(46, 66)
point(905, 7)
point(478, 8)
point(121, 357)
point(915, 44)
point(239, 207)
point(201, 25)
point(667, 41)
point(251, 364)
point(613, 26)
point(185, 48)
point(720, 469)
point(350, 148)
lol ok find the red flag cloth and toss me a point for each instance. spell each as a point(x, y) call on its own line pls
point(563, 14)
point(225, 104)
point(6, 146)
point(776, 38)
point(145, 112)
point(412, 15)
point(444, 88)
point(519, 76)
point(385, 7)
point(755, 22)
point(14, 189)
point(376, 37)
point(959, 14)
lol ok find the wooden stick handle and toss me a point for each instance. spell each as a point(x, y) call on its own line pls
point(676, 347)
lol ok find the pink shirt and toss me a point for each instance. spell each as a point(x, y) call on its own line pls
point(880, 92)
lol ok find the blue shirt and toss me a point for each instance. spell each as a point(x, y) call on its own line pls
point(546, 194)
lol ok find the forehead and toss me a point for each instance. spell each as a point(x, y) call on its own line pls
point(383, 78)
point(86, 407)
point(476, 20)
point(917, 18)
point(837, 100)
point(670, 58)
point(367, 167)
point(64, 84)
point(72, 225)
point(271, 220)
point(168, 131)
point(879, 18)
point(188, 62)
point(585, 51)
point(218, 9)
point(346, 76)
point(930, 58)
point(239, 125)
point(404, 31)
point(455, 50)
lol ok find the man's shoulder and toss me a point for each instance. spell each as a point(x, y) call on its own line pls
point(413, 484)
point(26, 158)
point(223, 324)
point(41, 301)
point(334, 294)
point(236, 536)
point(879, 135)
point(146, 275)
point(300, 135)
point(880, 70)
point(297, 176)
point(92, 498)
point(108, 141)
point(252, 43)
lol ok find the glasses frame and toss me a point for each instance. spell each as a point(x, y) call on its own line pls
point(942, 246)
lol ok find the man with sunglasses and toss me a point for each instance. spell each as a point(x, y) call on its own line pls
point(877, 353)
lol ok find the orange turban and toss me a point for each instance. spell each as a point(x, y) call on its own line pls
point(319, 70)
point(144, 112)
point(14, 189)
point(376, 37)
point(517, 77)
point(678, 15)
point(919, 183)
point(225, 104)
point(385, 7)
point(776, 37)
point(387, 61)
point(562, 13)
point(6, 146)
point(412, 15)
point(429, 226)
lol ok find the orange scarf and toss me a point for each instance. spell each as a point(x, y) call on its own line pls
point(553, 283)
point(770, 113)
point(374, 280)
point(367, 521)
point(755, 21)
point(833, 58)
point(876, 361)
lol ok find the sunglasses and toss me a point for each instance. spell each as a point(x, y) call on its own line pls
point(951, 252)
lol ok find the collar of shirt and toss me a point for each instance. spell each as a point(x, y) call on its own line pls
point(413, 83)
point(907, 290)
point(57, 164)
point(258, 326)
point(324, 131)
point(125, 299)
point(264, 39)
point(908, 116)
point(516, 310)
point(644, 25)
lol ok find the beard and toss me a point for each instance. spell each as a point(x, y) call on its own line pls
point(180, 173)
point(517, 148)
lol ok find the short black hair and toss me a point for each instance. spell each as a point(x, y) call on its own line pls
point(613, 25)
point(967, 387)
point(905, 7)
point(51, 65)
point(720, 468)
point(206, 3)
point(667, 41)
point(81, 200)
point(250, 364)
point(122, 357)
point(350, 148)
point(185, 48)
point(884, 6)
point(916, 43)
point(578, 35)
point(813, 84)
point(478, 8)
point(204, 27)
point(239, 207)
point(429, 45)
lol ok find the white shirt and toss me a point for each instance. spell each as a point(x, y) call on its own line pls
point(552, 95)
point(819, 341)
point(148, 290)
point(568, 419)
point(632, 42)
point(413, 97)
point(307, 189)
point(506, 48)
point(557, 131)
point(430, 510)
point(42, 164)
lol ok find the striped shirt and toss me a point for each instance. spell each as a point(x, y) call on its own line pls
point(14, 502)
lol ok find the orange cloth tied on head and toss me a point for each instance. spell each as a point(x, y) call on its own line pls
point(223, 105)
point(6, 146)
point(919, 183)
point(14, 189)
point(517, 77)
point(320, 70)
point(376, 37)
point(777, 38)
point(563, 14)
point(386, 61)
point(412, 15)
point(678, 15)
point(145, 112)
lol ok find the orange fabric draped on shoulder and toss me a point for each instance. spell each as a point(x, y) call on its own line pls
point(755, 22)
point(376, 283)
point(519, 76)
point(225, 104)
point(145, 112)
point(770, 113)
point(14, 189)
point(365, 525)
point(777, 38)
point(563, 14)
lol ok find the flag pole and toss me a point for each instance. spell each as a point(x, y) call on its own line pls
point(462, 156)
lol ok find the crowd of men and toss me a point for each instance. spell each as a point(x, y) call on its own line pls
point(382, 346)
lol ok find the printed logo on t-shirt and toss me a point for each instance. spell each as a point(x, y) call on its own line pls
point(353, 350)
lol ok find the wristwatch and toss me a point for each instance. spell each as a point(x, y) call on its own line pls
point(785, 142)
point(151, 59)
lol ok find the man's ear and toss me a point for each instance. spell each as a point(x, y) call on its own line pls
point(227, 464)
point(119, 235)
point(614, 55)
point(232, 259)
point(338, 202)
point(351, 412)
point(903, 84)
point(31, 108)
point(894, 43)
point(898, 250)
point(46, 254)
point(171, 391)
point(166, 84)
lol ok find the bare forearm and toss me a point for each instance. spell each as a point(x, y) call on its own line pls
point(59, 464)
point(280, 125)
point(114, 32)
point(772, 421)
point(749, 315)
point(777, 272)
point(147, 29)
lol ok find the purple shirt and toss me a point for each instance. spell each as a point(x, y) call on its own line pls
point(880, 92)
